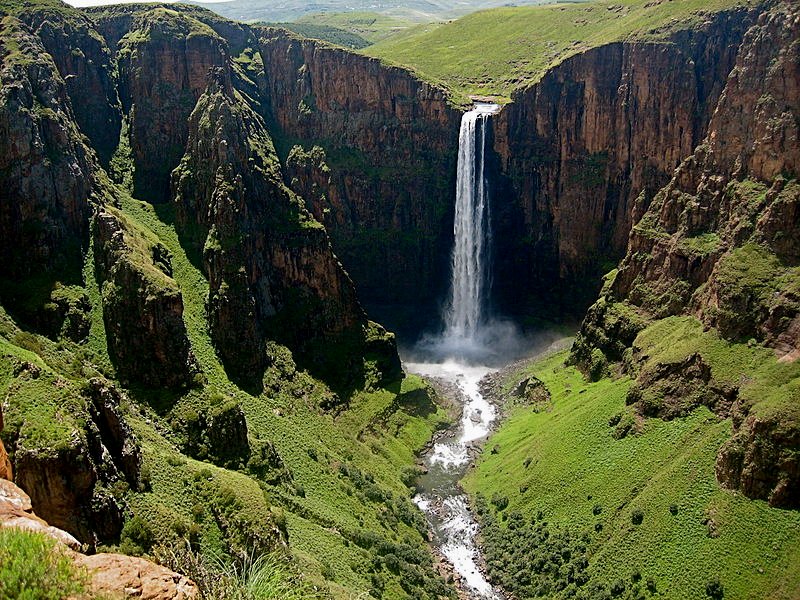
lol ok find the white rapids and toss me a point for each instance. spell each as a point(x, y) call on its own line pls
point(440, 497)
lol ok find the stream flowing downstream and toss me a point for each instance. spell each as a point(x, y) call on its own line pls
point(439, 496)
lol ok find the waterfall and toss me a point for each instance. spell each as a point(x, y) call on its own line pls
point(464, 314)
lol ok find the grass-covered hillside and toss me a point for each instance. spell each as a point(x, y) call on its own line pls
point(371, 26)
point(494, 52)
point(334, 483)
point(583, 497)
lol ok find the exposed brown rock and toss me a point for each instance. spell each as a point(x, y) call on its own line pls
point(761, 458)
point(720, 242)
point(123, 576)
point(16, 511)
point(271, 270)
point(46, 172)
point(163, 62)
point(85, 64)
point(111, 575)
point(6, 471)
point(586, 148)
point(385, 192)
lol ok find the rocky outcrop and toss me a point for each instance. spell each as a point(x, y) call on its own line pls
point(270, 266)
point(761, 458)
point(71, 478)
point(384, 179)
point(85, 64)
point(47, 174)
point(108, 575)
point(674, 389)
point(6, 471)
point(163, 59)
point(719, 243)
point(583, 151)
point(142, 305)
point(16, 510)
point(133, 577)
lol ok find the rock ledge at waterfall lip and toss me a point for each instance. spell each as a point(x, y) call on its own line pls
point(109, 574)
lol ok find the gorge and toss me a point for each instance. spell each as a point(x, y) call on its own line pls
point(200, 219)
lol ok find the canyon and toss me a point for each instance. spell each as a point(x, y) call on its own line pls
point(200, 219)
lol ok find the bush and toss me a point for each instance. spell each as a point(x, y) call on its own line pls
point(500, 501)
point(637, 516)
point(137, 537)
point(33, 567)
point(714, 589)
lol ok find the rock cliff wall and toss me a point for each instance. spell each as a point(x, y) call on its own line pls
point(583, 151)
point(720, 243)
point(384, 179)
point(270, 266)
point(48, 174)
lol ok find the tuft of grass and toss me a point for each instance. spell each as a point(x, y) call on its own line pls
point(252, 577)
point(34, 567)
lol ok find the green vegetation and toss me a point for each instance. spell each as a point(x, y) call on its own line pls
point(264, 577)
point(335, 483)
point(495, 52)
point(370, 26)
point(645, 506)
point(33, 567)
point(326, 33)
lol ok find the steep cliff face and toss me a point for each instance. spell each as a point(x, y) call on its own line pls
point(6, 471)
point(583, 152)
point(70, 449)
point(270, 267)
point(142, 305)
point(85, 64)
point(383, 186)
point(47, 174)
point(163, 61)
point(720, 243)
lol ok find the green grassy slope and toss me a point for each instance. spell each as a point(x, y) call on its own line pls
point(322, 503)
point(568, 464)
point(338, 487)
point(494, 52)
point(371, 26)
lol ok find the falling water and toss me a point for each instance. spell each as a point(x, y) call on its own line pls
point(464, 314)
point(459, 356)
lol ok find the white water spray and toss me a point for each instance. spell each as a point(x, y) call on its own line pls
point(464, 315)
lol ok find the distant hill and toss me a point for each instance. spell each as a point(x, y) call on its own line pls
point(326, 33)
point(371, 26)
point(418, 11)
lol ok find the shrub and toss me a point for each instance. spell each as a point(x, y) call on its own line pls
point(637, 516)
point(673, 509)
point(33, 567)
point(714, 589)
point(597, 509)
point(499, 501)
point(254, 577)
point(137, 537)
